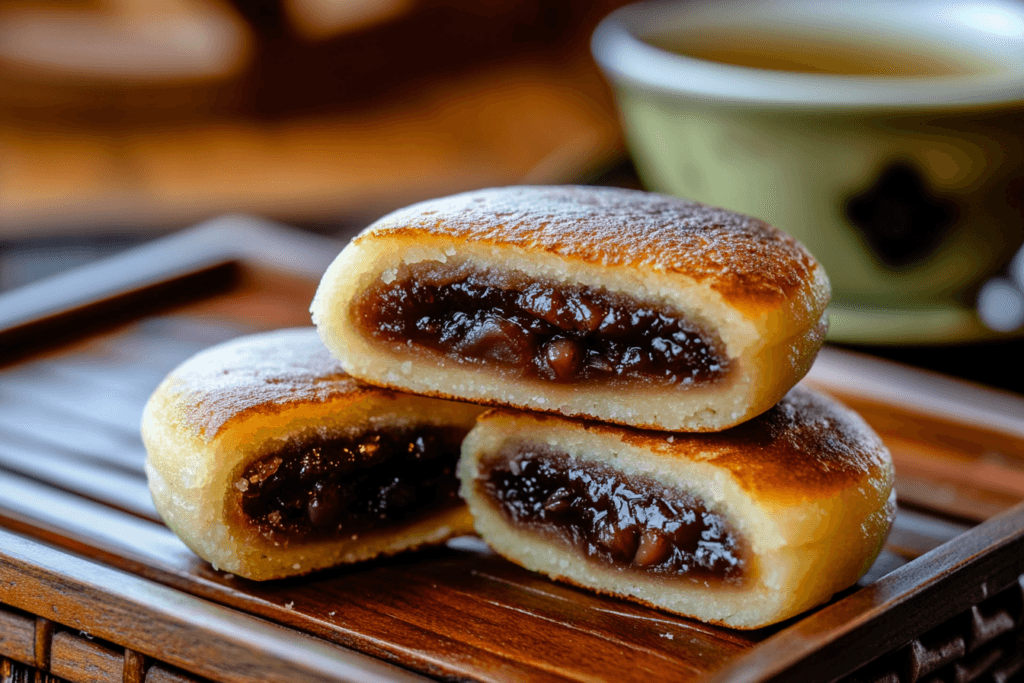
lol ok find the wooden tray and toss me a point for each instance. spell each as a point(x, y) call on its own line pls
point(94, 588)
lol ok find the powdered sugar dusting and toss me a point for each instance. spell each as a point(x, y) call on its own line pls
point(738, 255)
point(269, 369)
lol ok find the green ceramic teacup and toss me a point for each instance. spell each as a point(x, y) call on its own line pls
point(887, 137)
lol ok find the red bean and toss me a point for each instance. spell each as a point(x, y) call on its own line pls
point(501, 340)
point(620, 542)
point(588, 314)
point(653, 549)
point(559, 501)
point(563, 357)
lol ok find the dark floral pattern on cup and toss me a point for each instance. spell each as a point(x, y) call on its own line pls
point(901, 218)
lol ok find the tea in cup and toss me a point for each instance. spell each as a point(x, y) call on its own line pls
point(887, 137)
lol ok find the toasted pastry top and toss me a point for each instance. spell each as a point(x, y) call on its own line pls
point(806, 446)
point(744, 259)
point(259, 373)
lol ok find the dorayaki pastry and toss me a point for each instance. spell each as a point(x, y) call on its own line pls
point(269, 461)
point(744, 527)
point(616, 305)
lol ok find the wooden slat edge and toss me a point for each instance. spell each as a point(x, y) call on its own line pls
point(206, 249)
point(135, 269)
point(190, 633)
point(919, 391)
point(906, 603)
point(17, 636)
point(79, 658)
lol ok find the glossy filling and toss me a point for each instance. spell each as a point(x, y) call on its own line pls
point(326, 488)
point(557, 332)
point(622, 520)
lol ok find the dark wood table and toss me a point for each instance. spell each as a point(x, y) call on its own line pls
point(93, 587)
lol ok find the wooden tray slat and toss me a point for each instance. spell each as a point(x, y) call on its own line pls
point(21, 424)
point(958, 448)
point(90, 447)
point(17, 636)
point(163, 674)
point(914, 533)
point(80, 660)
point(188, 632)
point(87, 527)
point(538, 641)
point(84, 477)
point(47, 393)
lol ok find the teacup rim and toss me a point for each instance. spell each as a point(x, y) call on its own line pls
point(627, 59)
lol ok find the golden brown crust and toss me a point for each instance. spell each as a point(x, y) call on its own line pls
point(258, 373)
point(806, 445)
point(807, 486)
point(744, 259)
point(232, 404)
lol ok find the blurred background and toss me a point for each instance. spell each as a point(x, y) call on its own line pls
point(121, 120)
point(147, 114)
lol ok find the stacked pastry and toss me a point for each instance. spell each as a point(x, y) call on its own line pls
point(647, 441)
point(269, 461)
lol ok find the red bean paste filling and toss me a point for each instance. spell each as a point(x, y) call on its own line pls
point(558, 332)
point(625, 521)
point(326, 488)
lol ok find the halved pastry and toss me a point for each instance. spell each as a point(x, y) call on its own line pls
point(744, 527)
point(268, 460)
point(616, 305)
